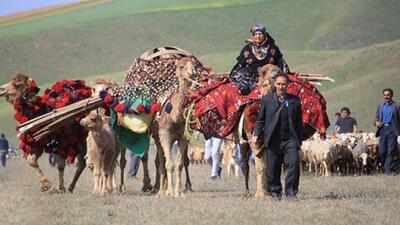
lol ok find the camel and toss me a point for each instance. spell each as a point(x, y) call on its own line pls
point(102, 151)
point(243, 133)
point(104, 84)
point(23, 87)
point(171, 128)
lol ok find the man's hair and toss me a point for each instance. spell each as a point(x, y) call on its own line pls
point(2, 135)
point(345, 109)
point(389, 90)
point(282, 75)
point(337, 114)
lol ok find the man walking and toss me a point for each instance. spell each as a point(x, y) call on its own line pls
point(3, 150)
point(212, 154)
point(387, 120)
point(280, 123)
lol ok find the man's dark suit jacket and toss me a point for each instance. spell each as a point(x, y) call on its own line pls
point(395, 117)
point(265, 123)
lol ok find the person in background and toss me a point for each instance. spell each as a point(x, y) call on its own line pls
point(387, 120)
point(133, 165)
point(212, 154)
point(3, 150)
point(333, 127)
point(52, 159)
point(346, 123)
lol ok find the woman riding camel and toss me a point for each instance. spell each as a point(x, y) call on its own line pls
point(260, 49)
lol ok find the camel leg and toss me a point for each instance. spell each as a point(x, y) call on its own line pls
point(169, 164)
point(260, 162)
point(228, 170)
point(179, 167)
point(162, 172)
point(245, 151)
point(60, 167)
point(109, 182)
point(79, 170)
point(113, 180)
point(186, 162)
point(96, 181)
point(183, 146)
point(146, 177)
point(103, 183)
point(236, 170)
point(157, 160)
point(44, 182)
point(122, 164)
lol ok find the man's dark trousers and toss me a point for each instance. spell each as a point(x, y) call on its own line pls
point(279, 152)
point(388, 149)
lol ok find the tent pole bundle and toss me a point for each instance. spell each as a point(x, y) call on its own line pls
point(313, 77)
point(49, 122)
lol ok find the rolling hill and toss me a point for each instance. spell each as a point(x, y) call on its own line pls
point(354, 41)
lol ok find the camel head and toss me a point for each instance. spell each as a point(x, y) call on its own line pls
point(102, 84)
point(95, 120)
point(266, 78)
point(188, 69)
point(19, 85)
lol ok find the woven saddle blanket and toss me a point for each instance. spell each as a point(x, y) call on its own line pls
point(218, 106)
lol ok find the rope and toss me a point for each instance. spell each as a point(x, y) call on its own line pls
point(187, 115)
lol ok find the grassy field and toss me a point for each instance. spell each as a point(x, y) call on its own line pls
point(334, 200)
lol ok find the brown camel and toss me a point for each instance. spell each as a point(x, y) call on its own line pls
point(171, 128)
point(102, 151)
point(19, 87)
point(243, 134)
point(105, 84)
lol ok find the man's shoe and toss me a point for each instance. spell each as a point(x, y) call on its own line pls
point(291, 198)
point(276, 196)
point(213, 178)
point(219, 171)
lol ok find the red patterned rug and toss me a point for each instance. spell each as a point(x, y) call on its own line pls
point(218, 106)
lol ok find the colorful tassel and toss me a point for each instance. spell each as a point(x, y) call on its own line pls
point(168, 107)
point(140, 108)
point(119, 107)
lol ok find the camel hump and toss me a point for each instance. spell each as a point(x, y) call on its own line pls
point(165, 52)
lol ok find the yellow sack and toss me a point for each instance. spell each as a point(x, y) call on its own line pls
point(137, 123)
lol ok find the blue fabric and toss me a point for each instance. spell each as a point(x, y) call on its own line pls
point(387, 111)
point(3, 158)
point(133, 164)
point(212, 150)
point(3, 144)
point(388, 149)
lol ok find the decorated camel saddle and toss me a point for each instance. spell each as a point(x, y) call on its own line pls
point(146, 87)
point(216, 103)
point(218, 106)
point(23, 93)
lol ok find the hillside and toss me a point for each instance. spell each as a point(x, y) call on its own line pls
point(106, 37)
point(354, 41)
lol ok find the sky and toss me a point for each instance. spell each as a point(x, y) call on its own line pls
point(8, 7)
